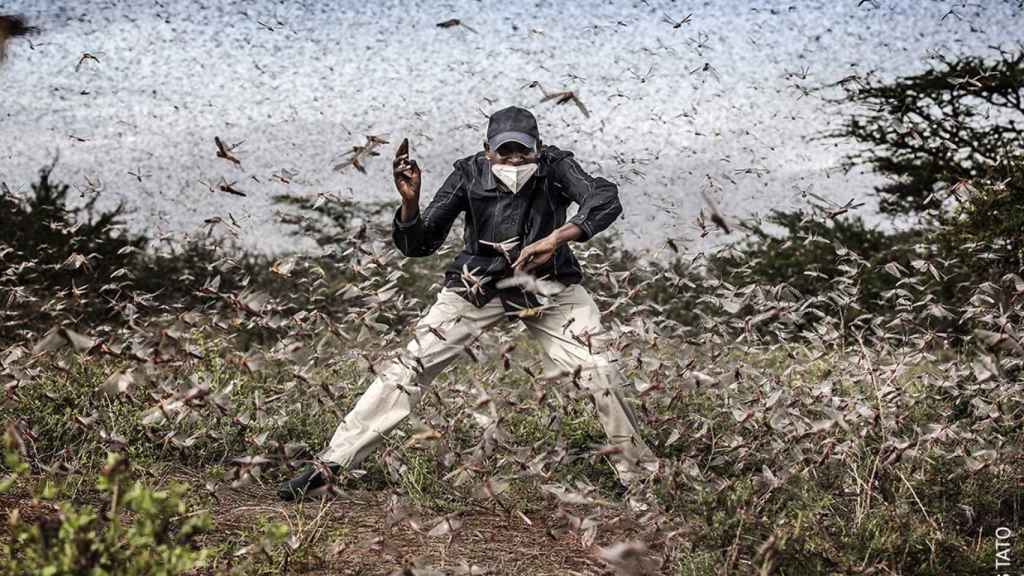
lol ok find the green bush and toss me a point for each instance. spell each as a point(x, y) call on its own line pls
point(808, 255)
point(989, 214)
point(864, 275)
point(49, 248)
point(79, 265)
point(140, 531)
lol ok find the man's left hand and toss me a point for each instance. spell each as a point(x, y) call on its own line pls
point(536, 254)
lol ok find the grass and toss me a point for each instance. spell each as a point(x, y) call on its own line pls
point(822, 517)
point(808, 454)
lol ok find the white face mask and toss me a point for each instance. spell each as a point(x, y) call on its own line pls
point(515, 177)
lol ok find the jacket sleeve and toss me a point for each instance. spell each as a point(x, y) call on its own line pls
point(598, 198)
point(428, 231)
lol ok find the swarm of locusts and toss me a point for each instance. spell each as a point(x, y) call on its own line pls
point(753, 395)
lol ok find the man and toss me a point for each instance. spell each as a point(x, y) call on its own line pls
point(513, 194)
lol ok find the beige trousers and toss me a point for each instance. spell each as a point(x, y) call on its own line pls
point(402, 381)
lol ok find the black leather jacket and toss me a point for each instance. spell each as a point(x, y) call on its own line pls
point(494, 213)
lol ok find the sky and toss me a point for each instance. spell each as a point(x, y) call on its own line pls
point(714, 104)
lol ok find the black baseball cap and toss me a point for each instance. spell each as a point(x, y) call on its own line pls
point(512, 124)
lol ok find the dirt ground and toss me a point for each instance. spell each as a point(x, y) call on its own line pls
point(354, 533)
point(350, 536)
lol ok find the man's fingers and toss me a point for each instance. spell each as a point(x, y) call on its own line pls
point(403, 150)
point(522, 258)
point(534, 263)
point(405, 167)
point(399, 165)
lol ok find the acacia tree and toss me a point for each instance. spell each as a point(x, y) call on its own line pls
point(948, 142)
point(934, 134)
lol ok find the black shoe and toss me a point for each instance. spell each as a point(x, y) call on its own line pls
point(308, 480)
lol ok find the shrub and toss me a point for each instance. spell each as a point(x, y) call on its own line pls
point(139, 532)
point(989, 214)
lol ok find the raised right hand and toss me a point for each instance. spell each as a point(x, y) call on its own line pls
point(407, 175)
